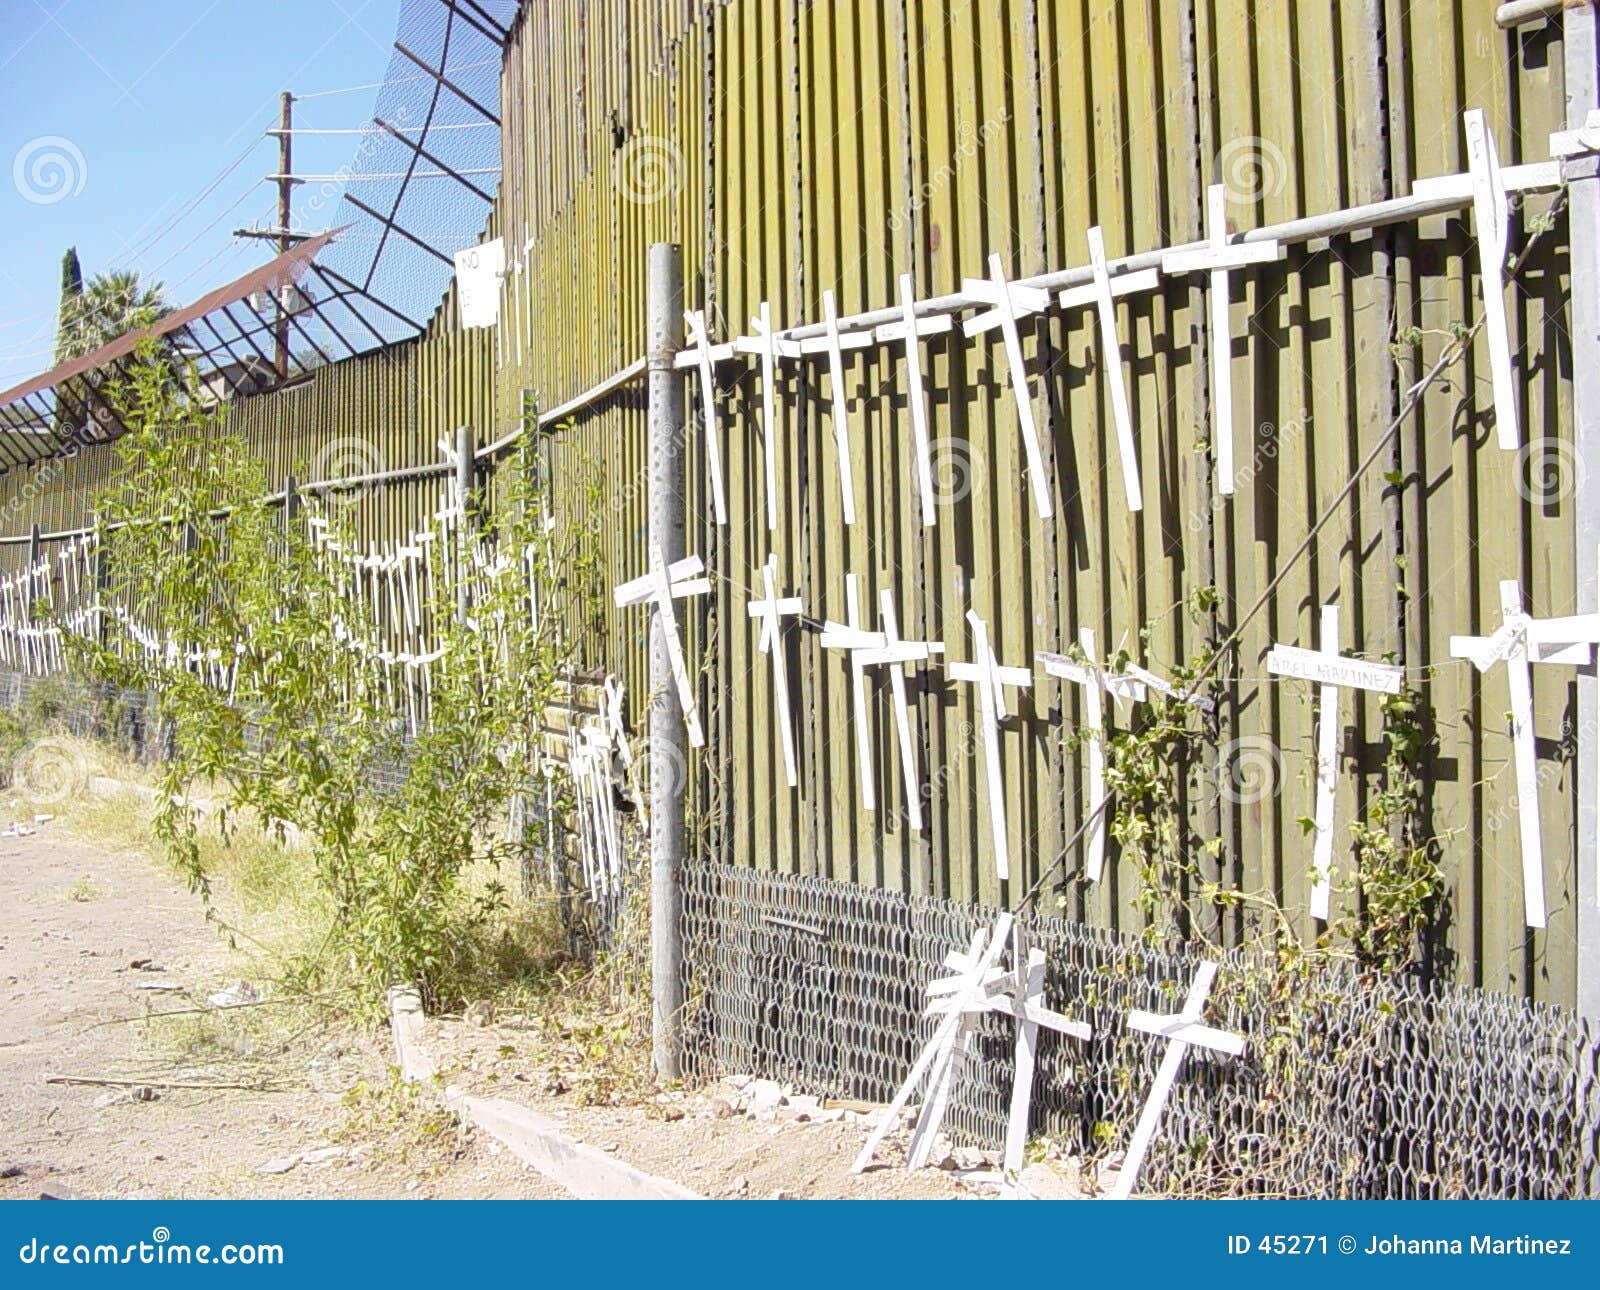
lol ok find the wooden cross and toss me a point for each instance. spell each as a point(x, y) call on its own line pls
point(1010, 302)
point(589, 764)
point(882, 649)
point(1519, 642)
point(772, 610)
point(1096, 681)
point(1219, 259)
point(1333, 671)
point(853, 637)
point(768, 345)
point(908, 330)
point(898, 655)
point(705, 355)
point(659, 588)
point(1491, 210)
point(1182, 1031)
point(1102, 292)
point(938, 1055)
point(977, 987)
point(991, 678)
point(833, 343)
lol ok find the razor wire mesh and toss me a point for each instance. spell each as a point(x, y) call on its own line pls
point(1363, 1087)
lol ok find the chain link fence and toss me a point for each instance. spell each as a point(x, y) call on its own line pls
point(1350, 1087)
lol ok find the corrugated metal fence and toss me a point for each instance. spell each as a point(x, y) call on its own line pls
point(805, 147)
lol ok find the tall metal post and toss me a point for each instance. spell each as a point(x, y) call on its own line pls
point(668, 740)
point(285, 215)
point(1583, 214)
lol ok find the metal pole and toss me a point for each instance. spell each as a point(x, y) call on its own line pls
point(285, 215)
point(1583, 215)
point(668, 741)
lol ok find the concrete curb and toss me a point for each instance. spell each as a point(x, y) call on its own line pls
point(535, 1139)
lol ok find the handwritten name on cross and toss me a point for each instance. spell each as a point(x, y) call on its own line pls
point(1102, 292)
point(1096, 681)
point(659, 588)
point(1182, 1031)
point(986, 672)
point(1333, 671)
point(1010, 302)
point(705, 356)
point(1219, 259)
point(772, 609)
point(909, 329)
point(833, 343)
point(1519, 642)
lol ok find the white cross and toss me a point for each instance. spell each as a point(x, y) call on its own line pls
point(706, 354)
point(938, 1055)
point(1095, 681)
point(659, 588)
point(898, 655)
point(909, 329)
point(768, 345)
point(772, 610)
point(879, 649)
point(977, 987)
point(1218, 259)
point(1520, 642)
point(1182, 1031)
point(1492, 212)
point(852, 636)
point(1102, 292)
point(1333, 671)
point(991, 678)
point(1010, 302)
point(833, 342)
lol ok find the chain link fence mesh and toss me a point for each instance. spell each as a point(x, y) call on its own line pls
point(1351, 1086)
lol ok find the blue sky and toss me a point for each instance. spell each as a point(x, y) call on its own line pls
point(116, 115)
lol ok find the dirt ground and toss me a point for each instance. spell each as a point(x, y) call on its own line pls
point(709, 1140)
point(73, 919)
point(94, 940)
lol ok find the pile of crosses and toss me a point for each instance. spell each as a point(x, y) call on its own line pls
point(979, 985)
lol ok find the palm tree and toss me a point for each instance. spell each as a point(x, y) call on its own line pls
point(110, 305)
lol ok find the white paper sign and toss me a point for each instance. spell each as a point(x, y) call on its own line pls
point(478, 273)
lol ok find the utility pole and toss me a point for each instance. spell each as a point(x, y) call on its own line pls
point(285, 214)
